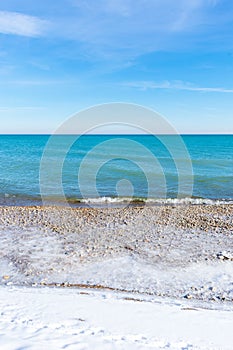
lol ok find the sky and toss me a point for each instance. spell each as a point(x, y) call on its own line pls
point(59, 57)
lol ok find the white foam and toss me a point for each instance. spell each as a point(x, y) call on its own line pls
point(156, 201)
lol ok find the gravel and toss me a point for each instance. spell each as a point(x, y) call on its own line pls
point(159, 245)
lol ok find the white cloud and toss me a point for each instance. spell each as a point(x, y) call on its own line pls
point(174, 85)
point(21, 24)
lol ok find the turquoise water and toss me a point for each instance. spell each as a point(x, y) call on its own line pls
point(113, 158)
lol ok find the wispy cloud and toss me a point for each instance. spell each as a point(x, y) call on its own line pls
point(40, 66)
point(22, 108)
point(117, 29)
point(6, 69)
point(174, 85)
point(21, 24)
point(126, 29)
point(38, 82)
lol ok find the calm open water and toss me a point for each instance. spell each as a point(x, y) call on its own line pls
point(113, 158)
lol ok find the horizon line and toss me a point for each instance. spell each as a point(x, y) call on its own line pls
point(112, 134)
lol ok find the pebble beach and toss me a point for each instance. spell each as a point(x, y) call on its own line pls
point(182, 251)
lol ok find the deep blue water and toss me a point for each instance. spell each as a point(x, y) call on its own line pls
point(154, 168)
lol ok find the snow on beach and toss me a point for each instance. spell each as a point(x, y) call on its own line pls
point(53, 318)
point(158, 278)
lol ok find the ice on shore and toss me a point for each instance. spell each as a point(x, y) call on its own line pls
point(32, 256)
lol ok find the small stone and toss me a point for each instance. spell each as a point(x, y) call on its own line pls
point(6, 277)
point(188, 296)
point(225, 256)
point(214, 299)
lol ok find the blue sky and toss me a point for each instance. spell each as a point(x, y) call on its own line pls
point(58, 57)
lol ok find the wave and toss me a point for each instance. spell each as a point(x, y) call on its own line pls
point(103, 201)
point(155, 201)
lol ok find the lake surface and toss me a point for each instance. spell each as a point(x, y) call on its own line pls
point(114, 167)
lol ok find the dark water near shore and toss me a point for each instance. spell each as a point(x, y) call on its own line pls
point(150, 167)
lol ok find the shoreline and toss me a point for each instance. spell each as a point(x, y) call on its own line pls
point(222, 214)
point(110, 202)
